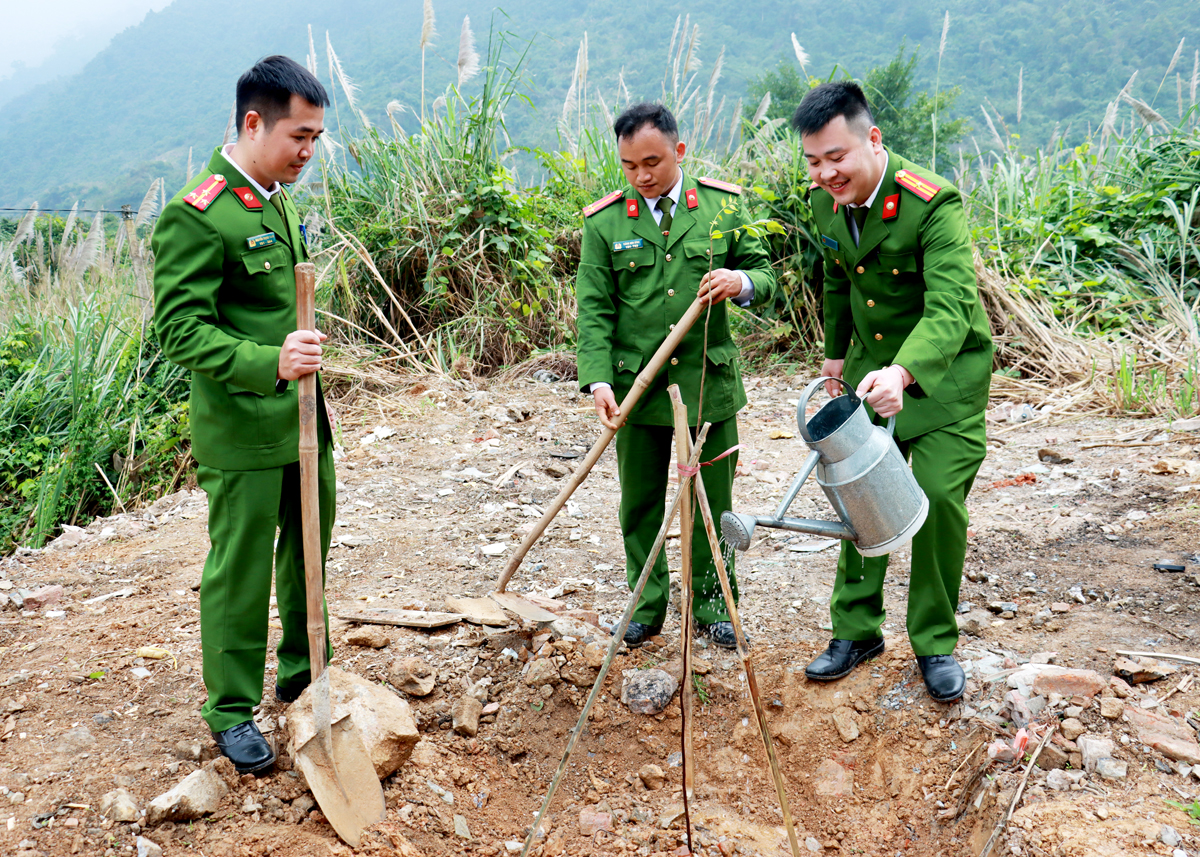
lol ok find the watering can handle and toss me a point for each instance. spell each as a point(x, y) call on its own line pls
point(814, 385)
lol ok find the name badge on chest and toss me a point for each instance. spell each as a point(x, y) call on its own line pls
point(631, 244)
point(264, 240)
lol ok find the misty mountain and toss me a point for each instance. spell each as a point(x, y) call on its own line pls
point(165, 87)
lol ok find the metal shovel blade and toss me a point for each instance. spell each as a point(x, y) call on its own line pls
point(342, 779)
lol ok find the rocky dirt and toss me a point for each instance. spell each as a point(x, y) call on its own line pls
point(100, 658)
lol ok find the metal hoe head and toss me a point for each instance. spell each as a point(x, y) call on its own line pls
point(737, 529)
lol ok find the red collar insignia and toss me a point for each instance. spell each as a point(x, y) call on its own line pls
point(692, 199)
point(631, 207)
point(247, 198)
point(891, 206)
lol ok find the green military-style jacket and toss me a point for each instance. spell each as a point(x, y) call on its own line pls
point(906, 295)
point(634, 284)
point(225, 300)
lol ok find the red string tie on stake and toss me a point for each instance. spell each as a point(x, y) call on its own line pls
point(695, 471)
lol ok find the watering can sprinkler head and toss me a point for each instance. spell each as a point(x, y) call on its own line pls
point(737, 529)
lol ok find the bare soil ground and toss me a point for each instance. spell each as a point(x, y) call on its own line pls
point(424, 514)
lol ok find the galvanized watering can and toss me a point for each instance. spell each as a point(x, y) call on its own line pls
point(861, 471)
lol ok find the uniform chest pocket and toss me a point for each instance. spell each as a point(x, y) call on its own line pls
point(702, 251)
point(265, 280)
point(634, 269)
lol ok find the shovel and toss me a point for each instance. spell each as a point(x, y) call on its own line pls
point(522, 607)
point(335, 762)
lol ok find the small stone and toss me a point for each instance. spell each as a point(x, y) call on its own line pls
point(1043, 657)
point(832, 780)
point(466, 715)
point(542, 671)
point(412, 676)
point(1094, 748)
point(651, 776)
point(1169, 837)
point(974, 623)
point(592, 821)
point(1068, 682)
point(1111, 707)
point(1060, 607)
point(1001, 607)
point(1142, 670)
point(369, 637)
point(118, 805)
point(40, 598)
point(1111, 769)
point(846, 723)
point(148, 848)
point(304, 804)
point(1072, 728)
point(1102, 813)
point(460, 827)
point(1169, 735)
point(198, 794)
point(812, 844)
point(1052, 758)
point(594, 654)
point(1057, 780)
point(188, 751)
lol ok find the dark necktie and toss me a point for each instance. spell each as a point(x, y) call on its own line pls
point(664, 205)
point(860, 217)
point(277, 201)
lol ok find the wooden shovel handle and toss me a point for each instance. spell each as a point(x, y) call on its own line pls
point(642, 383)
point(310, 508)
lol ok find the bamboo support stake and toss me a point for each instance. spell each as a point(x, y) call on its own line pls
point(617, 638)
point(640, 385)
point(744, 652)
point(310, 513)
point(683, 454)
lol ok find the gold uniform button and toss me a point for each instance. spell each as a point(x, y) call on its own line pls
point(631, 264)
point(895, 272)
point(860, 269)
point(851, 341)
point(870, 303)
point(708, 252)
point(674, 361)
point(837, 261)
point(670, 293)
point(672, 327)
point(668, 257)
point(621, 365)
point(879, 336)
point(266, 266)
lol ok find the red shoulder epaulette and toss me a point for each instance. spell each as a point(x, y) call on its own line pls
point(728, 187)
point(916, 184)
point(206, 192)
point(602, 203)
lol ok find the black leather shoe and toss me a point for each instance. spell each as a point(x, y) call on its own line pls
point(287, 697)
point(245, 746)
point(721, 633)
point(841, 657)
point(637, 633)
point(944, 678)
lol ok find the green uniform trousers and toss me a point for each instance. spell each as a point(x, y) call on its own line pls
point(944, 462)
point(645, 457)
point(244, 509)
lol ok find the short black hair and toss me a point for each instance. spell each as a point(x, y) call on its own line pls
point(646, 113)
point(268, 86)
point(827, 101)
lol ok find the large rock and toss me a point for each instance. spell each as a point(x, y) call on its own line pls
point(199, 794)
point(846, 723)
point(1093, 748)
point(466, 716)
point(412, 676)
point(1141, 670)
point(1168, 735)
point(542, 671)
point(43, 597)
point(648, 691)
point(383, 720)
point(1068, 682)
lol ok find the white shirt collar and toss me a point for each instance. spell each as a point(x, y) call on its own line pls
point(672, 194)
point(266, 194)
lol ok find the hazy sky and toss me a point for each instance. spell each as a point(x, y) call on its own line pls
point(32, 27)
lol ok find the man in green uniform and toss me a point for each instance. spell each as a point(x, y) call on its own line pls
point(647, 254)
point(225, 308)
point(903, 323)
